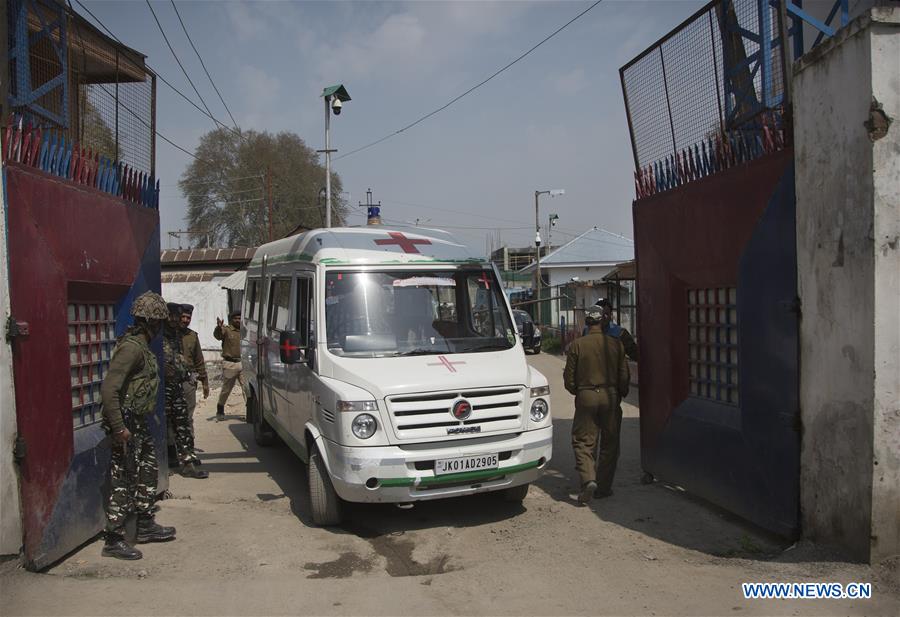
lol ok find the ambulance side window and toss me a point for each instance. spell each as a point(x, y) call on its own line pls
point(251, 300)
point(303, 310)
point(279, 304)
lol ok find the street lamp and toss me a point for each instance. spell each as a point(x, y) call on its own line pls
point(334, 97)
point(537, 242)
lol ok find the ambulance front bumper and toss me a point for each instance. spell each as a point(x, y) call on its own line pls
point(394, 474)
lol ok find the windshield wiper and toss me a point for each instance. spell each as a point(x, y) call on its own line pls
point(420, 352)
point(486, 347)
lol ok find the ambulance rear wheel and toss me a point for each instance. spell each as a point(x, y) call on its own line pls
point(323, 500)
point(516, 493)
point(263, 433)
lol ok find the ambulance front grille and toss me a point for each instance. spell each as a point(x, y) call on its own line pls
point(428, 417)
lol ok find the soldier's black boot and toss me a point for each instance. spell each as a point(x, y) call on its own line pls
point(220, 412)
point(148, 530)
point(116, 547)
point(190, 471)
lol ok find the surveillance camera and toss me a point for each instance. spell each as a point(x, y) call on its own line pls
point(336, 106)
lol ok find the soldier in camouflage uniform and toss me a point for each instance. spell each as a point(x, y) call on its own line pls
point(129, 398)
point(176, 407)
point(193, 353)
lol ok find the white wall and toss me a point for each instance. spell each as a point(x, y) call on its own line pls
point(848, 249)
point(562, 276)
point(210, 301)
point(10, 514)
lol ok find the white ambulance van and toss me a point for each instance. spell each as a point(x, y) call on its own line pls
point(387, 359)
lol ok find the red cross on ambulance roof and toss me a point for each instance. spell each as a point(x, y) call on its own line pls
point(407, 244)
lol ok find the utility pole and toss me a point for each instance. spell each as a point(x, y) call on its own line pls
point(269, 201)
point(537, 244)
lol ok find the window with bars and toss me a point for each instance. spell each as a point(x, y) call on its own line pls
point(92, 337)
point(713, 344)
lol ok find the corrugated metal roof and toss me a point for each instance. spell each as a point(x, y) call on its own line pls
point(194, 256)
point(234, 281)
point(594, 247)
point(188, 277)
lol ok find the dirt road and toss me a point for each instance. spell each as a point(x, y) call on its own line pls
point(246, 546)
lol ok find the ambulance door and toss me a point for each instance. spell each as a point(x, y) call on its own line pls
point(301, 376)
point(278, 319)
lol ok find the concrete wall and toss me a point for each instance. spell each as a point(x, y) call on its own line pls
point(562, 276)
point(848, 231)
point(10, 514)
point(210, 301)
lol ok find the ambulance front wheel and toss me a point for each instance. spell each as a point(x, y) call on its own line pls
point(647, 478)
point(323, 499)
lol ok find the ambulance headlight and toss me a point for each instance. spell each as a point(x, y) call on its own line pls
point(539, 410)
point(364, 426)
point(357, 406)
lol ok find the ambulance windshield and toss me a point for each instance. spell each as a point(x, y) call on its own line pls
point(396, 313)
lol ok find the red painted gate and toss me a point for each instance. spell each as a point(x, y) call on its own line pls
point(77, 258)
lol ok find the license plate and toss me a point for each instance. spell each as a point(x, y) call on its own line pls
point(466, 463)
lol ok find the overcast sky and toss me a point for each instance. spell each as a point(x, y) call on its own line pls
point(554, 120)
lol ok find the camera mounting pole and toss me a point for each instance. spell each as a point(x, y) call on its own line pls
point(334, 97)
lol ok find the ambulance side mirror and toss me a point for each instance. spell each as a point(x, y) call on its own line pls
point(291, 347)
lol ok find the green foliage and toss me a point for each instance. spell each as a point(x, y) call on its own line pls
point(551, 344)
point(95, 133)
point(230, 209)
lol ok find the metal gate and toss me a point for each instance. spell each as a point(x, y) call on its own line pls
point(719, 341)
point(716, 261)
point(77, 258)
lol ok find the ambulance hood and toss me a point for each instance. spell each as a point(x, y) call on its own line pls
point(389, 376)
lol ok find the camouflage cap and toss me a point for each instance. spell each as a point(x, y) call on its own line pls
point(593, 315)
point(150, 305)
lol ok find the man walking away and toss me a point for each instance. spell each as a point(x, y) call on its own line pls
point(128, 394)
point(193, 353)
point(176, 407)
point(597, 374)
point(230, 335)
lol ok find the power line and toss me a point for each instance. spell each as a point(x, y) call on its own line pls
point(125, 107)
point(203, 64)
point(473, 88)
point(253, 190)
point(181, 66)
point(163, 79)
point(218, 181)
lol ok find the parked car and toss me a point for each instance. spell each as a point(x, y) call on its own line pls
point(529, 333)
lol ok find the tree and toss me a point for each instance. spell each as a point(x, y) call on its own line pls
point(225, 187)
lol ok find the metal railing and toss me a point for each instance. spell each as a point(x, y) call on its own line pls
point(79, 88)
point(707, 95)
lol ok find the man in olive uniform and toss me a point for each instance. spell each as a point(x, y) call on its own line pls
point(230, 335)
point(193, 353)
point(129, 398)
point(597, 374)
point(176, 407)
